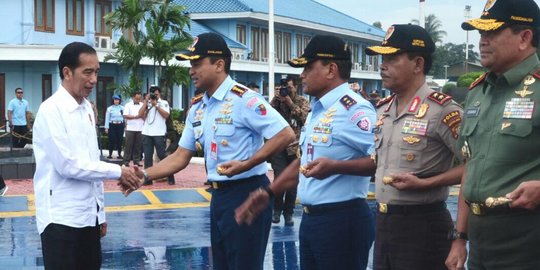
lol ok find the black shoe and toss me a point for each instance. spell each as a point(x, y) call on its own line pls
point(171, 182)
point(109, 157)
point(120, 157)
point(148, 183)
point(288, 220)
point(276, 217)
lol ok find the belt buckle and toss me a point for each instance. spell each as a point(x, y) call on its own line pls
point(383, 208)
point(215, 185)
point(476, 209)
point(306, 209)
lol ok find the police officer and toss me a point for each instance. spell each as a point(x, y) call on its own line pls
point(500, 138)
point(114, 126)
point(416, 132)
point(229, 123)
point(336, 231)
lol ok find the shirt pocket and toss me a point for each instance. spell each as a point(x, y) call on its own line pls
point(513, 140)
point(411, 153)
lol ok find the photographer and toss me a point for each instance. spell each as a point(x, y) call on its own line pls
point(293, 108)
point(155, 114)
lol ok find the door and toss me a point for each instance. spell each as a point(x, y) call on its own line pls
point(104, 96)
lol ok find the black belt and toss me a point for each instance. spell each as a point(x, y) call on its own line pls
point(116, 122)
point(232, 183)
point(480, 209)
point(384, 208)
point(328, 207)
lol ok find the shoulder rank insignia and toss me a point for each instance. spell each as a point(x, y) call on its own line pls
point(537, 73)
point(384, 100)
point(347, 101)
point(439, 98)
point(238, 90)
point(478, 81)
point(196, 99)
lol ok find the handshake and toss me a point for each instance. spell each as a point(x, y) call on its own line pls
point(131, 179)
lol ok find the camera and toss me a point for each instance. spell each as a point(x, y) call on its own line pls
point(153, 96)
point(283, 89)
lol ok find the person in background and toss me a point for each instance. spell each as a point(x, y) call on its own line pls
point(134, 126)
point(114, 126)
point(68, 182)
point(500, 140)
point(294, 109)
point(3, 186)
point(255, 87)
point(19, 117)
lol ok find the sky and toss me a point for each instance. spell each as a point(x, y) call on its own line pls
point(450, 13)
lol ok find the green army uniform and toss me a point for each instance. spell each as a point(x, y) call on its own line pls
point(500, 137)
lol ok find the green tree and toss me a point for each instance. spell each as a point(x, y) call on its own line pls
point(466, 79)
point(449, 54)
point(433, 27)
point(163, 23)
point(377, 24)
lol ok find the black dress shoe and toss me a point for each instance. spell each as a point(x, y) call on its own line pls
point(120, 157)
point(171, 182)
point(109, 157)
point(276, 216)
point(288, 220)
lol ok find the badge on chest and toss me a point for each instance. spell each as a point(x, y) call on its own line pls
point(415, 127)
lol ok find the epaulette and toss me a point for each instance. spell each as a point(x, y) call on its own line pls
point(478, 81)
point(238, 90)
point(196, 99)
point(439, 97)
point(347, 101)
point(384, 100)
point(537, 73)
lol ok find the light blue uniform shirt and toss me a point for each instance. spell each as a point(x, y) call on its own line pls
point(114, 114)
point(18, 108)
point(231, 125)
point(340, 127)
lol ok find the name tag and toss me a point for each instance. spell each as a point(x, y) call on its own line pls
point(196, 124)
point(472, 112)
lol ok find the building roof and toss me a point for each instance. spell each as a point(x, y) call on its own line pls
point(197, 29)
point(297, 9)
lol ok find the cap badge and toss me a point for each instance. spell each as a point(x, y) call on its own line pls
point(388, 34)
point(192, 48)
point(489, 5)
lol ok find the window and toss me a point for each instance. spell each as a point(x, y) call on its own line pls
point(264, 43)
point(354, 52)
point(286, 46)
point(278, 41)
point(102, 8)
point(241, 33)
point(255, 44)
point(299, 47)
point(46, 86)
point(44, 15)
point(75, 17)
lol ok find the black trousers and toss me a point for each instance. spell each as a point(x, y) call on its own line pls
point(412, 241)
point(149, 142)
point(70, 248)
point(19, 142)
point(285, 201)
point(116, 133)
point(133, 149)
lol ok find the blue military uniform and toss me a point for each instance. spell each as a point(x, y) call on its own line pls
point(340, 127)
point(232, 125)
point(114, 122)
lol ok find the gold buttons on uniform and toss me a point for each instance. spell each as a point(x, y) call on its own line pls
point(410, 156)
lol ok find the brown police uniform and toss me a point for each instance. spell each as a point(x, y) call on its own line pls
point(421, 140)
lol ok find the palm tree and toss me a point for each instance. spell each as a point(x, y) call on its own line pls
point(433, 27)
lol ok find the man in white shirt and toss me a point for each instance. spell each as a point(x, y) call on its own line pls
point(155, 114)
point(134, 126)
point(68, 182)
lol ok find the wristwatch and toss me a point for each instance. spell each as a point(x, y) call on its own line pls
point(145, 175)
point(454, 234)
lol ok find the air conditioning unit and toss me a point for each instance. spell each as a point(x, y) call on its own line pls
point(357, 66)
point(104, 42)
point(238, 56)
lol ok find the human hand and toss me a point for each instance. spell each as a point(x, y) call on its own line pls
point(129, 181)
point(457, 256)
point(526, 195)
point(251, 207)
point(319, 168)
point(232, 167)
point(103, 229)
point(406, 181)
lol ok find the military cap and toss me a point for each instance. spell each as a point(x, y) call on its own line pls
point(116, 97)
point(502, 12)
point(322, 47)
point(404, 38)
point(207, 44)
